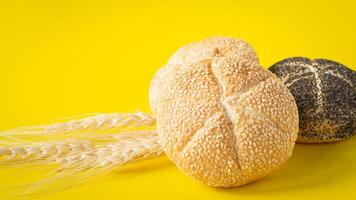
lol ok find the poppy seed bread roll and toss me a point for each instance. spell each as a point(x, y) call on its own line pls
point(221, 118)
point(325, 93)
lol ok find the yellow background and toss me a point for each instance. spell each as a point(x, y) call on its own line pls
point(64, 58)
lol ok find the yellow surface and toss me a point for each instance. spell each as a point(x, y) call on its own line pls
point(66, 58)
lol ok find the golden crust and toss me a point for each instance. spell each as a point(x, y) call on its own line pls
point(222, 118)
point(210, 47)
point(196, 52)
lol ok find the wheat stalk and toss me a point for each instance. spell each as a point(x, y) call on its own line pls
point(91, 155)
point(92, 123)
point(80, 160)
point(93, 151)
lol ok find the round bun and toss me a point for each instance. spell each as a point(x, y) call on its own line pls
point(222, 118)
point(325, 93)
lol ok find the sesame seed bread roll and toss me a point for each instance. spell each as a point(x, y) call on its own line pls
point(221, 117)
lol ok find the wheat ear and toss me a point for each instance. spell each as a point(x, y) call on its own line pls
point(126, 148)
point(92, 123)
point(93, 151)
point(41, 152)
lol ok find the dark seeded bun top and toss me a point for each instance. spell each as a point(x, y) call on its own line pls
point(326, 97)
